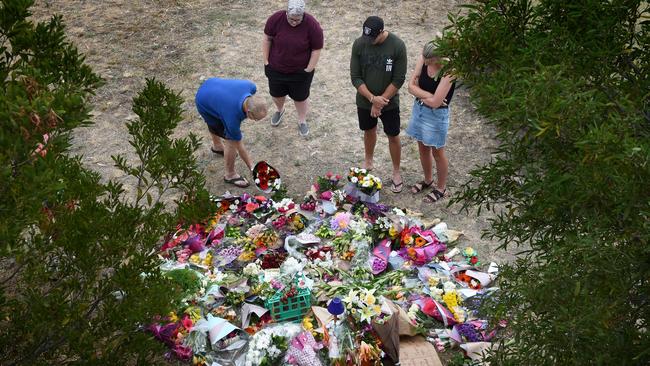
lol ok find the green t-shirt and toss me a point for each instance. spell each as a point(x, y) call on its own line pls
point(377, 66)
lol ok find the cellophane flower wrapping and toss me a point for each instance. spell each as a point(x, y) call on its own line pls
point(303, 351)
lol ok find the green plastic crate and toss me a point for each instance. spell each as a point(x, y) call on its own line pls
point(293, 310)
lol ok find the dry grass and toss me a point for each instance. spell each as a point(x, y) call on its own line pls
point(184, 42)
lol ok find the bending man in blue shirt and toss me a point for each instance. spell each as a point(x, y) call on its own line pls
point(224, 104)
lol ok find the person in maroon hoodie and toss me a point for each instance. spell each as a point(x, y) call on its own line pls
point(293, 40)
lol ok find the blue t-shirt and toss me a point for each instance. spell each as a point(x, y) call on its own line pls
point(222, 100)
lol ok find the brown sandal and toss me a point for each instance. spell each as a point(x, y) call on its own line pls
point(435, 196)
point(419, 186)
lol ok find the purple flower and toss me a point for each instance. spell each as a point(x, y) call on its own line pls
point(378, 265)
point(165, 333)
point(468, 332)
point(195, 244)
point(340, 221)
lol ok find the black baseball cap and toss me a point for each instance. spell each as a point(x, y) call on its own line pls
point(373, 26)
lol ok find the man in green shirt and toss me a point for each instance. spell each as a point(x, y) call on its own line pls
point(378, 70)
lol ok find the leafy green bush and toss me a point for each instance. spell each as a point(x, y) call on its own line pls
point(79, 274)
point(186, 279)
point(566, 85)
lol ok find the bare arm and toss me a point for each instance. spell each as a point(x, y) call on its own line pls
point(414, 84)
point(438, 98)
point(313, 60)
point(390, 92)
point(266, 48)
point(243, 153)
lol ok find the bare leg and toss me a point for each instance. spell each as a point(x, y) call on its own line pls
point(229, 155)
point(302, 108)
point(217, 143)
point(369, 142)
point(395, 149)
point(442, 166)
point(279, 103)
point(426, 159)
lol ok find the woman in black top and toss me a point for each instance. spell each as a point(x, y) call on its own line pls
point(430, 120)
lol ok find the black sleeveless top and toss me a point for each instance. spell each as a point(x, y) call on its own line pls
point(430, 84)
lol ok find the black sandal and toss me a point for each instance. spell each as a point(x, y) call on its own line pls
point(396, 188)
point(419, 186)
point(435, 196)
point(218, 152)
point(238, 181)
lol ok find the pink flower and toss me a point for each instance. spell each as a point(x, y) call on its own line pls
point(340, 221)
point(329, 174)
point(276, 284)
point(183, 352)
point(250, 207)
point(327, 195)
point(183, 254)
point(187, 323)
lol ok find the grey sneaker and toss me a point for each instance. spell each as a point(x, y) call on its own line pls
point(303, 127)
point(277, 118)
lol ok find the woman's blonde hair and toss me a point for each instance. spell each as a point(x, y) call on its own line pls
point(429, 50)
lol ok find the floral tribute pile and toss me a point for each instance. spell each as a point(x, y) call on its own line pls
point(348, 277)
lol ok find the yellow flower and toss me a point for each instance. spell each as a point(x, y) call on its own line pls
point(450, 298)
point(392, 232)
point(307, 324)
point(173, 317)
point(369, 297)
point(194, 258)
point(194, 313)
point(207, 260)
point(367, 312)
point(198, 360)
point(433, 281)
point(247, 256)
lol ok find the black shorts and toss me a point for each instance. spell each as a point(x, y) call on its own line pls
point(295, 85)
point(215, 125)
point(390, 120)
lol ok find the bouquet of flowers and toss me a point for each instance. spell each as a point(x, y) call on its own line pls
point(267, 347)
point(324, 186)
point(363, 185)
point(362, 304)
point(364, 181)
point(266, 177)
point(418, 245)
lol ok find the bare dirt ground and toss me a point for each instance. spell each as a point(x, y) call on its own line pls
point(182, 42)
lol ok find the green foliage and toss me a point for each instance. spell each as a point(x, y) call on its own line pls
point(186, 279)
point(79, 274)
point(566, 86)
point(280, 193)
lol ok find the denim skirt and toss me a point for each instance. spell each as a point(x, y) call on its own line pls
point(429, 126)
